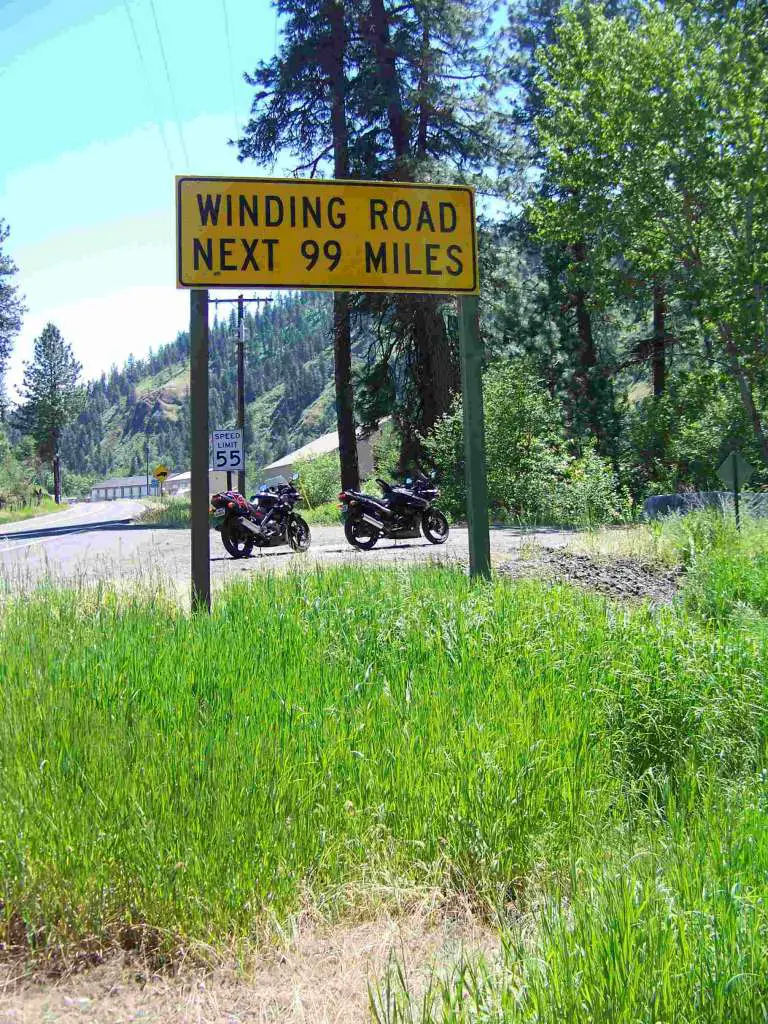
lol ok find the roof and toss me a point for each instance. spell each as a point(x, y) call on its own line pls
point(121, 481)
point(320, 446)
point(184, 477)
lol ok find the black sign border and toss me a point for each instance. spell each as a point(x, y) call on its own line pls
point(330, 182)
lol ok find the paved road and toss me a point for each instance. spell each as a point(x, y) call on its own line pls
point(93, 542)
point(61, 543)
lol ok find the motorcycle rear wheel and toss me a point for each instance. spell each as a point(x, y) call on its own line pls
point(359, 534)
point(434, 526)
point(299, 536)
point(237, 540)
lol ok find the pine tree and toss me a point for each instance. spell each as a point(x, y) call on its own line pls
point(51, 396)
point(302, 106)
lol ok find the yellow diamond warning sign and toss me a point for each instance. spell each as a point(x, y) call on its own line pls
point(342, 235)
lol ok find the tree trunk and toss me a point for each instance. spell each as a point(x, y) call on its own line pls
point(586, 359)
point(424, 69)
point(745, 388)
point(658, 358)
point(434, 376)
point(434, 368)
point(385, 61)
point(342, 358)
point(342, 334)
point(57, 479)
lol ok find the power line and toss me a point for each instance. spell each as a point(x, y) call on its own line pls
point(148, 85)
point(231, 66)
point(170, 83)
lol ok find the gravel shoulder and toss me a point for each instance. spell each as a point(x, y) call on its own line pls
point(625, 579)
point(161, 557)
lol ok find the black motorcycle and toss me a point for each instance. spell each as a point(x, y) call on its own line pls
point(266, 521)
point(401, 513)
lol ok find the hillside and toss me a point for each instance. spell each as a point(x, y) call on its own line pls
point(289, 393)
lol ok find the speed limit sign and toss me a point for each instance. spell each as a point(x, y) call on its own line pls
point(228, 450)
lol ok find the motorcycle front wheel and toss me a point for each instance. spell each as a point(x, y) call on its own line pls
point(236, 539)
point(434, 526)
point(299, 536)
point(360, 535)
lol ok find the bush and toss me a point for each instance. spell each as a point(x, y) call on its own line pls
point(588, 494)
point(386, 451)
point(319, 478)
point(327, 514)
point(531, 477)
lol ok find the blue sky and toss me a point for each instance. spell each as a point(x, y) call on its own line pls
point(93, 134)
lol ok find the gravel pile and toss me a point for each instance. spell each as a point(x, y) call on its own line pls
point(622, 578)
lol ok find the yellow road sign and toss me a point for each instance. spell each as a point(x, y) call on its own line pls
point(342, 235)
point(161, 473)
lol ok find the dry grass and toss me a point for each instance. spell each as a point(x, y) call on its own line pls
point(318, 974)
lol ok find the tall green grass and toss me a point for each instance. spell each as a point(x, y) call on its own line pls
point(174, 513)
point(326, 736)
point(17, 515)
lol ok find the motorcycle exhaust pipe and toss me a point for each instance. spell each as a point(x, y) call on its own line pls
point(250, 526)
point(370, 521)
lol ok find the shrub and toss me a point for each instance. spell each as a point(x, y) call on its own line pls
point(319, 478)
point(531, 477)
point(386, 451)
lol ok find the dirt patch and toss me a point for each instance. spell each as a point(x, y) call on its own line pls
point(622, 578)
point(318, 976)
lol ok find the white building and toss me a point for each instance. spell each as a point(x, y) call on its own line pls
point(124, 487)
point(136, 486)
point(324, 445)
point(181, 483)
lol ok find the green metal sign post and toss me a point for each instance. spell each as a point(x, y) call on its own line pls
point(471, 354)
point(354, 257)
point(735, 471)
point(198, 400)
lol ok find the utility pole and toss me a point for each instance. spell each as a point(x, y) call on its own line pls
point(240, 395)
point(146, 457)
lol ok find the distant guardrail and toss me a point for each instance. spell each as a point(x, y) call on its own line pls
point(751, 502)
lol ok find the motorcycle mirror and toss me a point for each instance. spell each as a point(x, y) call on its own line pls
point(432, 474)
point(263, 489)
point(408, 481)
point(295, 476)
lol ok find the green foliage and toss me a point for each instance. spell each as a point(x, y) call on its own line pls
point(687, 87)
point(322, 515)
point(531, 477)
point(386, 451)
point(50, 391)
point(169, 512)
point(679, 440)
point(20, 473)
point(319, 478)
point(148, 789)
point(289, 365)
point(588, 494)
point(18, 513)
point(11, 310)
